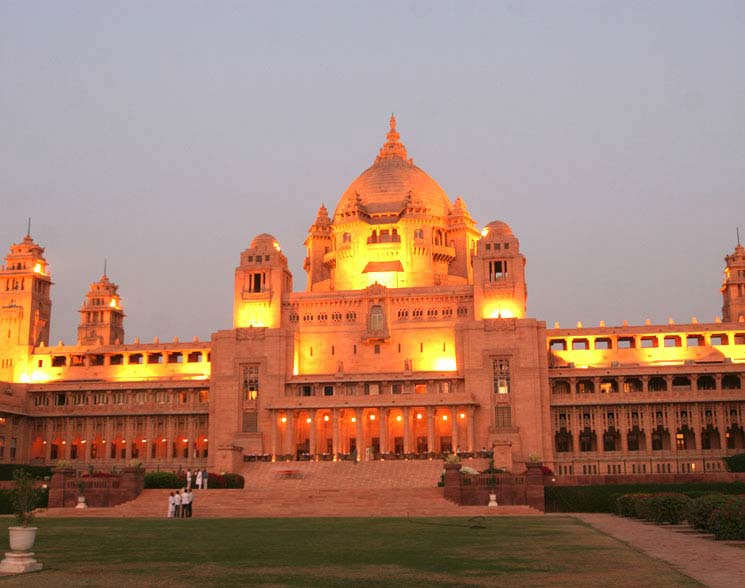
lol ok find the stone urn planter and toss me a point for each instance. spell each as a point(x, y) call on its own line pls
point(22, 538)
point(81, 502)
point(492, 499)
point(24, 496)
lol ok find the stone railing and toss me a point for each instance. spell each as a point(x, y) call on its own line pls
point(110, 490)
point(474, 489)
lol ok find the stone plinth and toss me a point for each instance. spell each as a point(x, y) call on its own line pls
point(19, 562)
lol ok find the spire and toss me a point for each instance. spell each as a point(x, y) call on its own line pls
point(104, 267)
point(738, 235)
point(393, 147)
point(322, 218)
point(28, 230)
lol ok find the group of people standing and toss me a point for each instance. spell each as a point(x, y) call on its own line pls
point(180, 502)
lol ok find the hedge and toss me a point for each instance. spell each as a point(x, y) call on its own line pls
point(728, 520)
point(700, 509)
point(735, 463)
point(6, 506)
point(162, 480)
point(604, 498)
point(175, 481)
point(665, 507)
point(7, 469)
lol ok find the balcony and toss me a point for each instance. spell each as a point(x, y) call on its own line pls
point(444, 253)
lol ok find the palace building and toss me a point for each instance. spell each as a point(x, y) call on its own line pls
point(411, 339)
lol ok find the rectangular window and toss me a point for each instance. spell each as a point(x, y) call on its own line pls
point(250, 421)
point(503, 417)
point(497, 270)
point(501, 375)
point(60, 399)
point(204, 396)
point(328, 390)
point(117, 359)
point(396, 389)
point(250, 378)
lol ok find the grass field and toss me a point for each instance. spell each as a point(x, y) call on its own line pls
point(334, 553)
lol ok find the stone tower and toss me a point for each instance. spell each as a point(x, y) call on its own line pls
point(261, 281)
point(101, 315)
point(25, 306)
point(319, 242)
point(499, 274)
point(733, 287)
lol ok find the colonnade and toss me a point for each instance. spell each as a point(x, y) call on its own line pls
point(369, 431)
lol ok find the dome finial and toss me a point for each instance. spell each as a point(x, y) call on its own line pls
point(393, 147)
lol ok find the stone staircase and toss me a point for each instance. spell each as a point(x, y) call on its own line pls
point(317, 489)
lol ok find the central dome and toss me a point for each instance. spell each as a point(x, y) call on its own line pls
point(391, 184)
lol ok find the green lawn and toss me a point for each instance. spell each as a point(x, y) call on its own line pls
point(335, 553)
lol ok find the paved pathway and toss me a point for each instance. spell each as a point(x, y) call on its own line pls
point(713, 563)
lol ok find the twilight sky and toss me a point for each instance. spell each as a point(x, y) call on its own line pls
point(165, 135)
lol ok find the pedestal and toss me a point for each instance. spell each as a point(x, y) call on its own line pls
point(492, 500)
point(19, 562)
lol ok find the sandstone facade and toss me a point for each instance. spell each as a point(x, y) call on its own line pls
point(412, 339)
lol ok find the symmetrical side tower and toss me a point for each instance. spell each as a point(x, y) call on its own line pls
point(319, 242)
point(499, 274)
point(101, 315)
point(733, 288)
point(261, 281)
point(25, 306)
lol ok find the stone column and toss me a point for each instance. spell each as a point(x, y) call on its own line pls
point(454, 415)
point(129, 437)
point(273, 417)
point(722, 425)
point(695, 418)
point(290, 433)
point(359, 434)
point(312, 432)
point(170, 436)
point(430, 429)
point(471, 428)
point(335, 432)
point(383, 414)
point(576, 429)
point(407, 429)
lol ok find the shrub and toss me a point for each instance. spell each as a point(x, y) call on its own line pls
point(232, 481)
point(38, 472)
point(602, 498)
point(700, 509)
point(669, 507)
point(6, 506)
point(626, 504)
point(163, 480)
point(24, 497)
point(728, 520)
point(735, 463)
point(645, 507)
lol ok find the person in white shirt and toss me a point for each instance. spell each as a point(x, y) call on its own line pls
point(188, 479)
point(177, 504)
point(199, 479)
point(185, 503)
point(190, 497)
point(171, 505)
